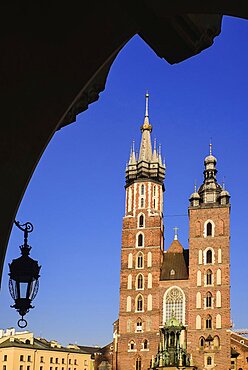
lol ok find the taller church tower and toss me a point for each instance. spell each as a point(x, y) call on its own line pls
point(208, 336)
point(141, 257)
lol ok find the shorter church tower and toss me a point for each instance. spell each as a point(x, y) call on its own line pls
point(208, 335)
point(137, 334)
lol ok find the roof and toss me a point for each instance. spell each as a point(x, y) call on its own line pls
point(175, 265)
point(90, 349)
point(42, 345)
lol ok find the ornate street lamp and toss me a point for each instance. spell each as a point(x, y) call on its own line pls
point(24, 277)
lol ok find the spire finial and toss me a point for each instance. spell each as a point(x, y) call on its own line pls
point(175, 233)
point(147, 101)
point(146, 125)
point(223, 182)
point(195, 187)
point(210, 146)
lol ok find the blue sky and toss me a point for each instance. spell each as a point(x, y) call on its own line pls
point(75, 198)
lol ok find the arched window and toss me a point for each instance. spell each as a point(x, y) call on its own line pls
point(209, 229)
point(138, 364)
point(218, 277)
point(209, 322)
point(141, 221)
point(209, 300)
point(201, 342)
point(149, 259)
point(209, 360)
point(129, 302)
point(139, 303)
point(129, 282)
point(132, 345)
point(209, 256)
point(140, 240)
point(149, 302)
point(139, 325)
point(142, 202)
point(198, 300)
point(140, 260)
point(142, 189)
point(172, 272)
point(130, 260)
point(209, 277)
point(174, 304)
point(218, 299)
point(218, 321)
point(216, 342)
point(198, 322)
point(27, 341)
point(219, 255)
point(198, 278)
point(200, 257)
point(145, 344)
point(140, 282)
point(149, 281)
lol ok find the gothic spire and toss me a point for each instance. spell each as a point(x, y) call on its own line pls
point(149, 163)
point(146, 129)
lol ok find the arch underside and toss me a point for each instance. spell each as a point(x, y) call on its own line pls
point(50, 74)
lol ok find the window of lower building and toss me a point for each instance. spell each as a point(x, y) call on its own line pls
point(51, 360)
point(85, 362)
point(4, 367)
point(56, 360)
point(41, 367)
point(5, 357)
point(28, 367)
point(41, 359)
point(62, 360)
point(21, 367)
point(29, 359)
point(69, 361)
point(21, 358)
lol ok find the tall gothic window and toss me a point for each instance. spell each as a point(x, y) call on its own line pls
point(140, 240)
point(140, 282)
point(139, 303)
point(141, 221)
point(142, 189)
point(138, 364)
point(209, 256)
point(142, 203)
point(209, 322)
point(145, 344)
point(209, 299)
point(209, 277)
point(174, 303)
point(209, 229)
point(139, 325)
point(140, 261)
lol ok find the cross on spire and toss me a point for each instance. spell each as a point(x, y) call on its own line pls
point(175, 232)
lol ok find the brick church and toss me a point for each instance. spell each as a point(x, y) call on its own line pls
point(174, 304)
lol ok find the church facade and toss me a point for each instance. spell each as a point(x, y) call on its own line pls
point(174, 304)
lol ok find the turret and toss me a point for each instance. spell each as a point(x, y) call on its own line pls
point(210, 193)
